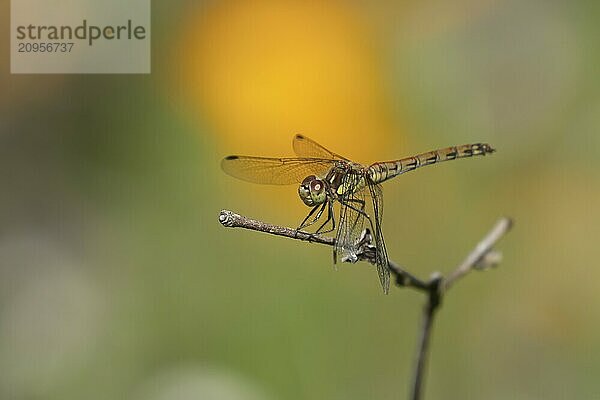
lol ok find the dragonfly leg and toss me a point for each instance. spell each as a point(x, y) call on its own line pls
point(321, 208)
point(319, 214)
point(330, 217)
point(304, 224)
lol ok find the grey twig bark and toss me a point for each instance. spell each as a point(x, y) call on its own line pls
point(482, 257)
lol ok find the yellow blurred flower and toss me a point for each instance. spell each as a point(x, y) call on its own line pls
point(259, 71)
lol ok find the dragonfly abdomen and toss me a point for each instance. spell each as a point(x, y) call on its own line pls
point(385, 170)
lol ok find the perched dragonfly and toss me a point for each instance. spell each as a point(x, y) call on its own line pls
point(326, 178)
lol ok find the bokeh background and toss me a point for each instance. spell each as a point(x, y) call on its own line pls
point(117, 281)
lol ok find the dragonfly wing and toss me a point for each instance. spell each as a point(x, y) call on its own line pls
point(352, 220)
point(274, 171)
point(305, 147)
point(383, 269)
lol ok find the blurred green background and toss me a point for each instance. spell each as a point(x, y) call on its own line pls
point(117, 281)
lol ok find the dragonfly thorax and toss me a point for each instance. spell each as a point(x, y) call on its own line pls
point(312, 191)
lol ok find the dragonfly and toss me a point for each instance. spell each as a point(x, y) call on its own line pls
point(326, 178)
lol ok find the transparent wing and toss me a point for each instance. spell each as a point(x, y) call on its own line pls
point(305, 147)
point(353, 220)
point(383, 269)
point(274, 171)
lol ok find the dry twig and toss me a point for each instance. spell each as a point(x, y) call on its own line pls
point(482, 257)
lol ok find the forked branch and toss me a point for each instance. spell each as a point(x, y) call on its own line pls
point(482, 257)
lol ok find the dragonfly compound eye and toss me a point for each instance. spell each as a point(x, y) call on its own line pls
point(304, 190)
point(312, 191)
point(317, 191)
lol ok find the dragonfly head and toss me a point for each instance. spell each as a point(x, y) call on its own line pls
point(312, 191)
